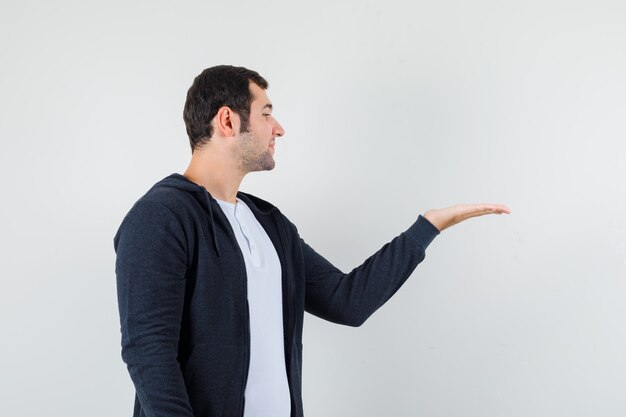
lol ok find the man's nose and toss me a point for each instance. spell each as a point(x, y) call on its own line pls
point(278, 129)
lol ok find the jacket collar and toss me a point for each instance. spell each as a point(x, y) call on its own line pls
point(206, 200)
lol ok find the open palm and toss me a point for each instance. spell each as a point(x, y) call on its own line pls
point(449, 216)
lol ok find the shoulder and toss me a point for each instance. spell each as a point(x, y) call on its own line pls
point(150, 213)
point(159, 208)
point(174, 199)
point(176, 193)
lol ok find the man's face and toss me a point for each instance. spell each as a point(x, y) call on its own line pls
point(255, 148)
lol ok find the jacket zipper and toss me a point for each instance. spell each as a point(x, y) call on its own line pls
point(246, 332)
point(292, 312)
point(247, 359)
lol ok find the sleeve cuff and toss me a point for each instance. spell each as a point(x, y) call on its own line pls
point(422, 232)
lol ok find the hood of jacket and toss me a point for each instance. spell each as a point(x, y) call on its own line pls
point(208, 202)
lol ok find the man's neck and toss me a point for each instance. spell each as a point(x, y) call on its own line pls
point(217, 174)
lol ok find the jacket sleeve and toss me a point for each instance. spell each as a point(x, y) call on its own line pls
point(150, 268)
point(351, 298)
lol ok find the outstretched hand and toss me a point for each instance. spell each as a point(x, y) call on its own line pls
point(449, 216)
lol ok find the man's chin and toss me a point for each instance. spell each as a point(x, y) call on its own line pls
point(266, 165)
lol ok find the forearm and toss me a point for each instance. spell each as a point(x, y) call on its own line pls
point(351, 298)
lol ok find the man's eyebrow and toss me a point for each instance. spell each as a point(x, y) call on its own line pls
point(267, 106)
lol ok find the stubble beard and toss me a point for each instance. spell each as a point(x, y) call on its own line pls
point(249, 158)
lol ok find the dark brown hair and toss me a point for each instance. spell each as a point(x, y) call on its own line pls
point(222, 85)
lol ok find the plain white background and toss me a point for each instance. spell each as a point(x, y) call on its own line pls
point(390, 108)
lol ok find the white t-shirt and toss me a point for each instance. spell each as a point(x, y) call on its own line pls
point(267, 389)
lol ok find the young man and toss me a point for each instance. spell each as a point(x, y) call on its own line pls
point(213, 282)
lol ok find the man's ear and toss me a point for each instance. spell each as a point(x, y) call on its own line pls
point(226, 122)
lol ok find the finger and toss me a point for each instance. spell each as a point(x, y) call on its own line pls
point(496, 208)
point(476, 210)
point(501, 208)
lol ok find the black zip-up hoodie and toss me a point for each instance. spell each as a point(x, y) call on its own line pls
point(182, 293)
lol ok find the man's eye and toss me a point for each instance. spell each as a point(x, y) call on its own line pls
point(267, 115)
